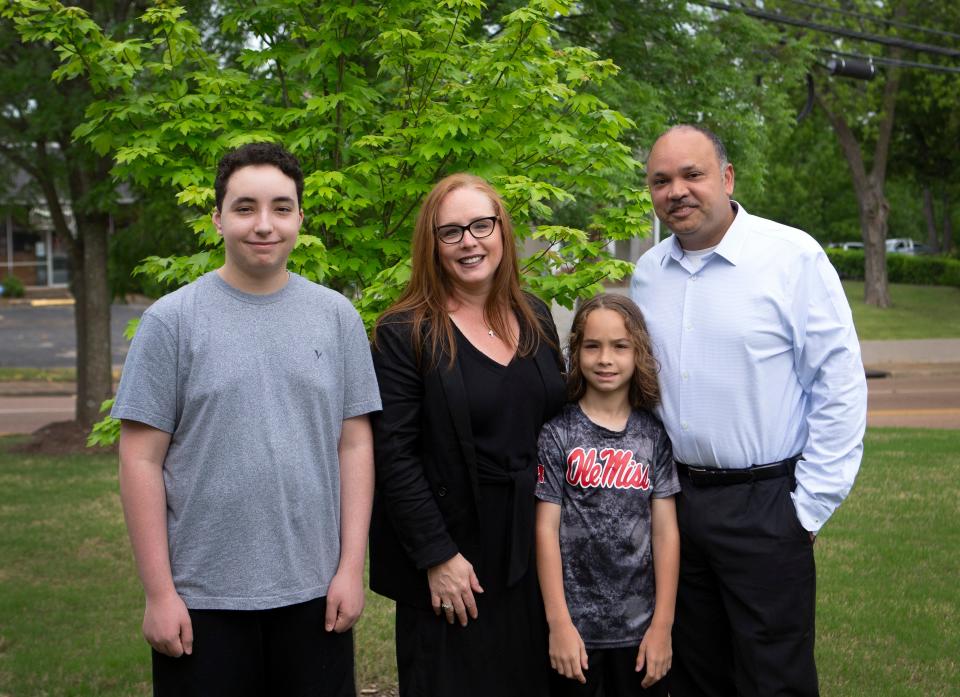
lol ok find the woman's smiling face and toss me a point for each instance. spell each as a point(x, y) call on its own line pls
point(471, 263)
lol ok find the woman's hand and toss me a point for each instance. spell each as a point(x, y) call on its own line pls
point(568, 655)
point(452, 585)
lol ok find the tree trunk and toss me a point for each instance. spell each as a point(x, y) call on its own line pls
point(89, 382)
point(874, 211)
point(90, 285)
point(947, 246)
point(78, 289)
point(93, 322)
point(928, 216)
point(869, 187)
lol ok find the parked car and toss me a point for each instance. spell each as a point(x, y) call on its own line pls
point(845, 245)
point(904, 245)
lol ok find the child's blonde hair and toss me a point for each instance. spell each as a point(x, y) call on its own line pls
point(644, 387)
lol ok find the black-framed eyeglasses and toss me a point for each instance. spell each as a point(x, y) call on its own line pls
point(479, 228)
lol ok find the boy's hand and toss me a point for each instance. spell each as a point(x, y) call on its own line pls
point(568, 655)
point(656, 651)
point(167, 626)
point(344, 602)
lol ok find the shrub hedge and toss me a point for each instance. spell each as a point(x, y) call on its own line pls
point(901, 268)
point(12, 287)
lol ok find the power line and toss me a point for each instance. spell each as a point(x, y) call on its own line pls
point(876, 19)
point(894, 62)
point(839, 31)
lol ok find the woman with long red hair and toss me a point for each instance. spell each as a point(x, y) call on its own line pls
point(469, 370)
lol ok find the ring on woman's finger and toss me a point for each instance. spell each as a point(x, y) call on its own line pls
point(446, 606)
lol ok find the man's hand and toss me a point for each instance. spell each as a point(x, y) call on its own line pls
point(452, 585)
point(656, 652)
point(344, 602)
point(568, 655)
point(167, 626)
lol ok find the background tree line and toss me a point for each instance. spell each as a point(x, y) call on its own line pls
point(555, 101)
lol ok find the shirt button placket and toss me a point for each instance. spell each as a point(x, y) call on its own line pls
point(686, 336)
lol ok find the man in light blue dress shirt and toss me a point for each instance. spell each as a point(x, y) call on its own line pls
point(764, 399)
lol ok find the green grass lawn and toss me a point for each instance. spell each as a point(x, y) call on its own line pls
point(888, 564)
point(37, 374)
point(70, 601)
point(918, 312)
point(888, 567)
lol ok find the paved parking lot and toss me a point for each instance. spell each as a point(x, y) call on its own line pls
point(43, 336)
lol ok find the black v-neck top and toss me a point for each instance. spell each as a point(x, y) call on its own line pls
point(506, 404)
point(506, 408)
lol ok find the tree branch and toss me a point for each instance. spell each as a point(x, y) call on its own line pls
point(849, 145)
point(885, 131)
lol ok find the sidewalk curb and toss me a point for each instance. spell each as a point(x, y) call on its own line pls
point(39, 388)
point(35, 389)
point(902, 369)
point(911, 351)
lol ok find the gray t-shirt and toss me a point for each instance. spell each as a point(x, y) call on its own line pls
point(254, 390)
point(603, 481)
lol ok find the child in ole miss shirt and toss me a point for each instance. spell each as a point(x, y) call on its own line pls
point(605, 515)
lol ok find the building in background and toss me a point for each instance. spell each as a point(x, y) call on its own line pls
point(28, 248)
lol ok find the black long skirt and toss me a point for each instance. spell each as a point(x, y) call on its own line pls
point(502, 653)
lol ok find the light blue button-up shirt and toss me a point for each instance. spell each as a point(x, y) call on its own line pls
point(759, 359)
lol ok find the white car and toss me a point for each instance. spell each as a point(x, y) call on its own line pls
point(845, 245)
point(904, 245)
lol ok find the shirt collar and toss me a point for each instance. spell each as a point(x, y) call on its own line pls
point(731, 245)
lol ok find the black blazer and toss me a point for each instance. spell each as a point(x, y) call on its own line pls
point(425, 505)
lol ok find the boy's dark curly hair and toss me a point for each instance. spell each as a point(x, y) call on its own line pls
point(257, 154)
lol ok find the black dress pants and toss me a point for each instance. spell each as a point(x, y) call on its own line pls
point(260, 653)
point(744, 623)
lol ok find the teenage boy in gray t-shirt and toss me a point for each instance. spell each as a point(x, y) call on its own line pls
point(246, 458)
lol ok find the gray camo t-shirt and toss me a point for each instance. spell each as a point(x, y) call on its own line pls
point(604, 480)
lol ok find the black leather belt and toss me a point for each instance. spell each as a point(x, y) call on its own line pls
point(716, 476)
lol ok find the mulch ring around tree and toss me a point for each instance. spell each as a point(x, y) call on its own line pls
point(60, 438)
